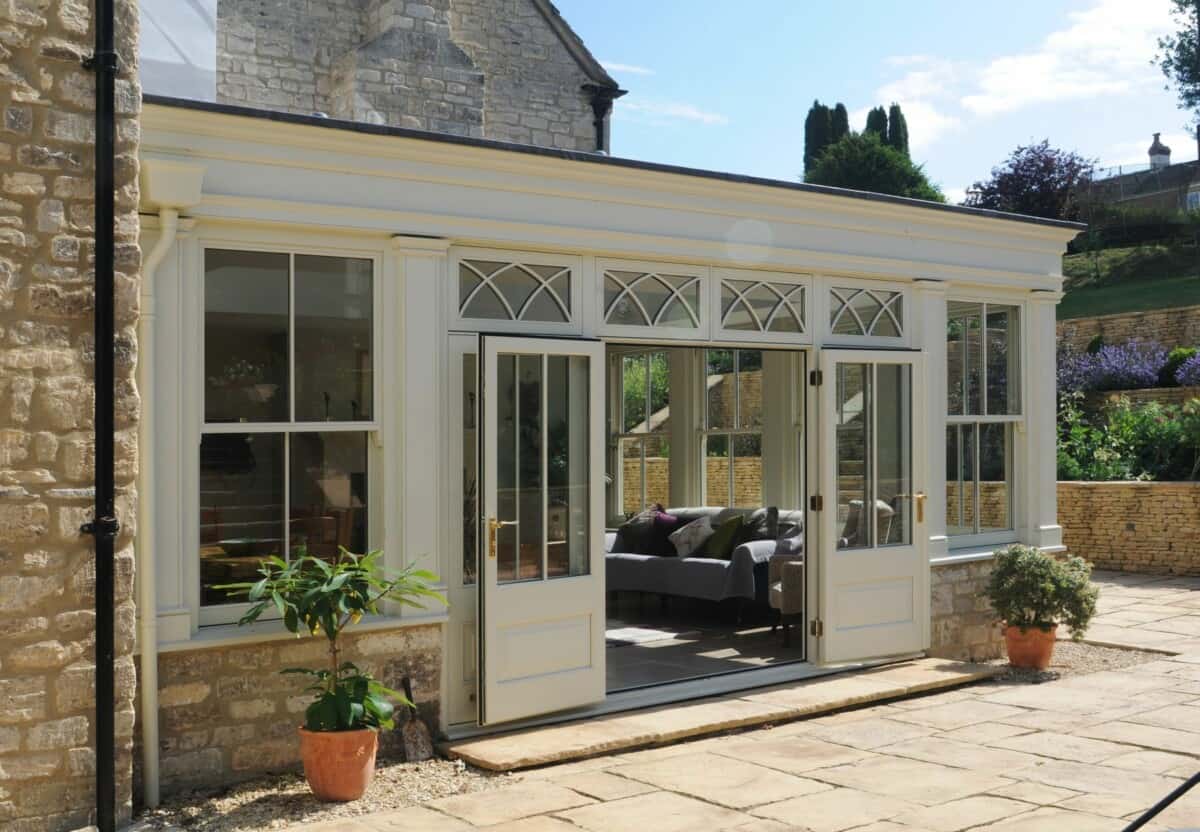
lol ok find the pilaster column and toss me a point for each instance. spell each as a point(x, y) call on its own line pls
point(1039, 471)
point(930, 327)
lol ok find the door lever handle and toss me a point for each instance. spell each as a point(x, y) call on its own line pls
point(920, 495)
point(494, 526)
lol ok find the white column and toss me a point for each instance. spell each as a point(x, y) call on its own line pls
point(1038, 472)
point(930, 303)
point(413, 390)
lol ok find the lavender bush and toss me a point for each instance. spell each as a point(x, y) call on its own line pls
point(1188, 374)
point(1128, 366)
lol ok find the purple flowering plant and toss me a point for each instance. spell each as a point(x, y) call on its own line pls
point(1129, 366)
point(1188, 374)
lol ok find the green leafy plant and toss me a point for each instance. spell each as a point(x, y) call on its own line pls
point(318, 597)
point(1028, 588)
point(1175, 359)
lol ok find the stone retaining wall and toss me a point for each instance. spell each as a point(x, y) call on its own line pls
point(1163, 395)
point(963, 624)
point(1150, 527)
point(47, 568)
point(1178, 327)
point(227, 714)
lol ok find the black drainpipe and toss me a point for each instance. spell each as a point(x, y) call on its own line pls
point(602, 100)
point(104, 526)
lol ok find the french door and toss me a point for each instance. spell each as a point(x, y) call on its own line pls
point(874, 575)
point(542, 526)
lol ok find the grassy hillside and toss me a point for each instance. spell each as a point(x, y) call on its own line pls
point(1130, 280)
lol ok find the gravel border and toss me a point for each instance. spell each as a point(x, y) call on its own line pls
point(1075, 658)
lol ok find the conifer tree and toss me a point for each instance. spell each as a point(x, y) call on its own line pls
point(897, 129)
point(840, 123)
point(818, 133)
point(877, 123)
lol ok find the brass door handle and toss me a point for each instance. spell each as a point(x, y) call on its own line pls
point(494, 526)
point(920, 506)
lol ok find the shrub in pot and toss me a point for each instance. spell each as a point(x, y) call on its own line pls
point(339, 738)
point(1033, 593)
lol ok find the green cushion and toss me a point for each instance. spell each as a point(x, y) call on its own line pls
point(723, 540)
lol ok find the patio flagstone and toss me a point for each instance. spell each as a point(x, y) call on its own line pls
point(958, 714)
point(494, 806)
point(962, 814)
point(960, 754)
point(1062, 746)
point(834, 810)
point(792, 755)
point(1182, 717)
point(872, 733)
point(1095, 779)
point(655, 812)
point(913, 781)
point(1053, 819)
point(1146, 736)
point(735, 784)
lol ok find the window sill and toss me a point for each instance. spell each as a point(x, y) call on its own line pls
point(968, 554)
point(229, 635)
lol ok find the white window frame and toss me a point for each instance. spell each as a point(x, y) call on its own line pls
point(573, 326)
point(193, 408)
point(1015, 433)
point(716, 303)
point(702, 332)
point(707, 431)
point(823, 306)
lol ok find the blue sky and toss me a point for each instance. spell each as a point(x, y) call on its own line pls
point(726, 86)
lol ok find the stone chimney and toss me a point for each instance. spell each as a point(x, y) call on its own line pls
point(1160, 154)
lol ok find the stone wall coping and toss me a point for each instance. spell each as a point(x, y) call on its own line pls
point(1131, 483)
point(1110, 315)
point(231, 635)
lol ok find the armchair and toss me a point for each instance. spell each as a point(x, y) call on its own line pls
point(785, 579)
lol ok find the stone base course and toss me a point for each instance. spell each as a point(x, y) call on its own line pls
point(962, 623)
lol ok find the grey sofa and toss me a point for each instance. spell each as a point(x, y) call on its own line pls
point(743, 576)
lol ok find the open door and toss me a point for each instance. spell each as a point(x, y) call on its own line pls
point(874, 574)
point(542, 526)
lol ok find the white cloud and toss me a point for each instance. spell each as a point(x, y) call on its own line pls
point(626, 69)
point(1136, 151)
point(659, 111)
point(1106, 50)
point(924, 92)
point(954, 196)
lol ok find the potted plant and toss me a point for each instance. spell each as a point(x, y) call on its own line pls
point(339, 738)
point(1033, 593)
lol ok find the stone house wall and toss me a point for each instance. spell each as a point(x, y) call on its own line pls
point(1150, 527)
point(47, 568)
point(1178, 327)
point(482, 68)
point(963, 624)
point(227, 714)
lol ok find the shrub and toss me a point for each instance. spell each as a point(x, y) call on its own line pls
point(1188, 374)
point(1154, 437)
point(1095, 344)
point(1128, 366)
point(1088, 451)
point(1176, 358)
point(1028, 588)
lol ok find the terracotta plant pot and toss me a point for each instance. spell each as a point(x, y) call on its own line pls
point(1031, 647)
point(339, 765)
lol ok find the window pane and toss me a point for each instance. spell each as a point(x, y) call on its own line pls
point(241, 508)
point(960, 479)
point(716, 470)
point(749, 388)
point(632, 476)
point(658, 470)
point(506, 466)
point(245, 336)
point(995, 491)
point(747, 470)
point(530, 485)
point(964, 357)
point(633, 384)
point(893, 453)
point(334, 352)
point(470, 471)
point(1003, 354)
point(852, 427)
point(567, 466)
point(722, 395)
point(327, 479)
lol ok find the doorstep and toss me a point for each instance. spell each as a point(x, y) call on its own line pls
point(684, 720)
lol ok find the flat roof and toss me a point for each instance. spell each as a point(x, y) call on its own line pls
point(595, 159)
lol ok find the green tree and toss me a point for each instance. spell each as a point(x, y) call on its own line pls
point(877, 123)
point(1179, 57)
point(897, 129)
point(863, 162)
point(840, 122)
point(818, 132)
point(1038, 180)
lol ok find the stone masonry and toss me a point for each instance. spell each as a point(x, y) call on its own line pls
point(226, 713)
point(1177, 327)
point(47, 639)
point(963, 624)
point(482, 68)
point(1149, 527)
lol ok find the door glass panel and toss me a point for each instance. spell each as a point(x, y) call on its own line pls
point(893, 453)
point(567, 520)
point(531, 496)
point(470, 473)
point(852, 423)
point(506, 466)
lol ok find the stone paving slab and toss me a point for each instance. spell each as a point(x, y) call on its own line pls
point(670, 723)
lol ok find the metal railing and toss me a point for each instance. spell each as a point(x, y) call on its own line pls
point(1158, 807)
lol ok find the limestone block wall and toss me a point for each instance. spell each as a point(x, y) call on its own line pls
point(1177, 327)
point(227, 714)
point(47, 568)
point(963, 624)
point(1151, 527)
point(1163, 395)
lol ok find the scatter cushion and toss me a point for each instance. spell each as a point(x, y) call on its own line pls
point(792, 545)
point(761, 524)
point(723, 540)
point(690, 537)
point(634, 534)
point(659, 540)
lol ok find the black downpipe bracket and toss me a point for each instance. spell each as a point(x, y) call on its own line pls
point(104, 526)
point(602, 98)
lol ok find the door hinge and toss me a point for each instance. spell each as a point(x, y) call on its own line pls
point(816, 627)
point(816, 502)
point(816, 378)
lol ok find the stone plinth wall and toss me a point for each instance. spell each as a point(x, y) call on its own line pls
point(1178, 327)
point(227, 714)
point(1163, 395)
point(47, 568)
point(1151, 527)
point(963, 624)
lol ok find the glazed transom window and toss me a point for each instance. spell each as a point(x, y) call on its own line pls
point(288, 405)
point(651, 299)
point(510, 291)
point(762, 306)
point(866, 312)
